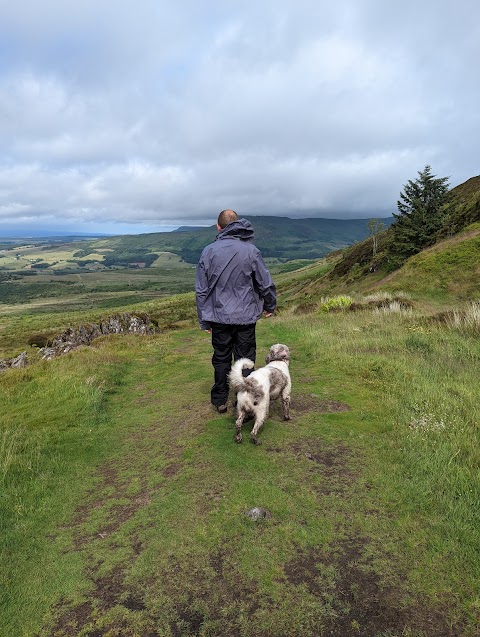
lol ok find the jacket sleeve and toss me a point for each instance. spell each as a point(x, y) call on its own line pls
point(201, 291)
point(265, 285)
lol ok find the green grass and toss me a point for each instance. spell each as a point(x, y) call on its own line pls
point(448, 270)
point(124, 494)
point(54, 428)
point(49, 316)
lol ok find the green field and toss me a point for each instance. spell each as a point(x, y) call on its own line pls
point(124, 494)
point(50, 278)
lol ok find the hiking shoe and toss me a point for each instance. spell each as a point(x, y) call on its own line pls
point(222, 409)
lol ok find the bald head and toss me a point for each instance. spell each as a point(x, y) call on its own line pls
point(226, 217)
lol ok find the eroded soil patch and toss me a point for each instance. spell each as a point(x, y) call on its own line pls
point(213, 597)
point(197, 596)
point(335, 463)
point(361, 602)
point(311, 403)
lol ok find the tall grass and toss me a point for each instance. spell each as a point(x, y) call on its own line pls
point(385, 296)
point(9, 443)
point(466, 321)
point(392, 306)
point(52, 424)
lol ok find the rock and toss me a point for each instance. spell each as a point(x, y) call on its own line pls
point(20, 361)
point(47, 353)
point(83, 335)
point(258, 513)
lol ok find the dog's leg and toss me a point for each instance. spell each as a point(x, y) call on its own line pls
point(286, 403)
point(238, 425)
point(259, 420)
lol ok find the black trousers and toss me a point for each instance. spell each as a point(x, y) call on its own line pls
point(227, 341)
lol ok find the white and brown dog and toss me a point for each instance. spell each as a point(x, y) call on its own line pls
point(256, 390)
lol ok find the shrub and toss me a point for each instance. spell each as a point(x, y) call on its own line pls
point(336, 303)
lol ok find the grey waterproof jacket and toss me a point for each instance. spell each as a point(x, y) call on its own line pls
point(233, 285)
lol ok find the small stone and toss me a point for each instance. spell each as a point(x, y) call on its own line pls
point(258, 513)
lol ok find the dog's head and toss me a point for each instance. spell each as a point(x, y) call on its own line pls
point(278, 352)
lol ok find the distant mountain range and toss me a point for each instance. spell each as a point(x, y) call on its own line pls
point(279, 237)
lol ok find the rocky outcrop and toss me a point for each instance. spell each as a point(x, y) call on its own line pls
point(19, 361)
point(82, 335)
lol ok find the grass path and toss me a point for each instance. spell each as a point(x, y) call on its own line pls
point(153, 539)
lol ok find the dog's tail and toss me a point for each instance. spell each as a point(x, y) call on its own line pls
point(236, 378)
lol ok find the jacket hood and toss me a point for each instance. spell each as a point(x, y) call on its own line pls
point(240, 229)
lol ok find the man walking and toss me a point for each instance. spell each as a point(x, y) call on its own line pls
point(233, 287)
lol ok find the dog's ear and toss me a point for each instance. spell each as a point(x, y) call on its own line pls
point(267, 359)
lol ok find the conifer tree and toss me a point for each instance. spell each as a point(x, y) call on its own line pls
point(420, 212)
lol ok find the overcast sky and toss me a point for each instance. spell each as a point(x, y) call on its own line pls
point(139, 116)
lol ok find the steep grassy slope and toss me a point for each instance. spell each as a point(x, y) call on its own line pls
point(464, 208)
point(447, 271)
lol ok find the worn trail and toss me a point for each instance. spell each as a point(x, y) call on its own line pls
point(167, 550)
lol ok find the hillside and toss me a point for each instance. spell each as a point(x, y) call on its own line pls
point(127, 269)
point(464, 207)
point(450, 269)
point(447, 270)
point(279, 237)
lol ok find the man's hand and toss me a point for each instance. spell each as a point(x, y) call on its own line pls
point(208, 331)
point(268, 314)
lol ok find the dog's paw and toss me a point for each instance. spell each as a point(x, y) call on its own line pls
point(238, 438)
point(255, 440)
point(287, 418)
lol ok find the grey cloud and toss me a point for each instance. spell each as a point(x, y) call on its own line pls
point(167, 112)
